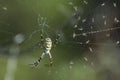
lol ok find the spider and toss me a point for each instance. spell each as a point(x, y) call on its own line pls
point(47, 44)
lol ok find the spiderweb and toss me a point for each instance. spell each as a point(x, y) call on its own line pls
point(97, 21)
point(42, 26)
point(94, 28)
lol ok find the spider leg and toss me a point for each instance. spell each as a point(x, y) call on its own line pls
point(51, 59)
point(56, 40)
point(36, 63)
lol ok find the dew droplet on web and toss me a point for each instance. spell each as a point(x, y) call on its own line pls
point(74, 35)
point(79, 43)
point(91, 27)
point(70, 67)
point(79, 18)
point(103, 16)
point(84, 34)
point(70, 3)
point(75, 8)
point(93, 20)
point(5, 8)
point(85, 59)
point(71, 63)
point(114, 4)
point(88, 41)
point(103, 4)
point(118, 42)
point(92, 64)
point(105, 22)
point(85, 2)
point(74, 14)
point(116, 20)
point(80, 29)
point(75, 26)
point(108, 35)
point(84, 20)
point(91, 50)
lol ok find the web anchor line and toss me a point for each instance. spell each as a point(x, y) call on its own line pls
point(93, 32)
point(93, 43)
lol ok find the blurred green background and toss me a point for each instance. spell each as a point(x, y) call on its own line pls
point(71, 61)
